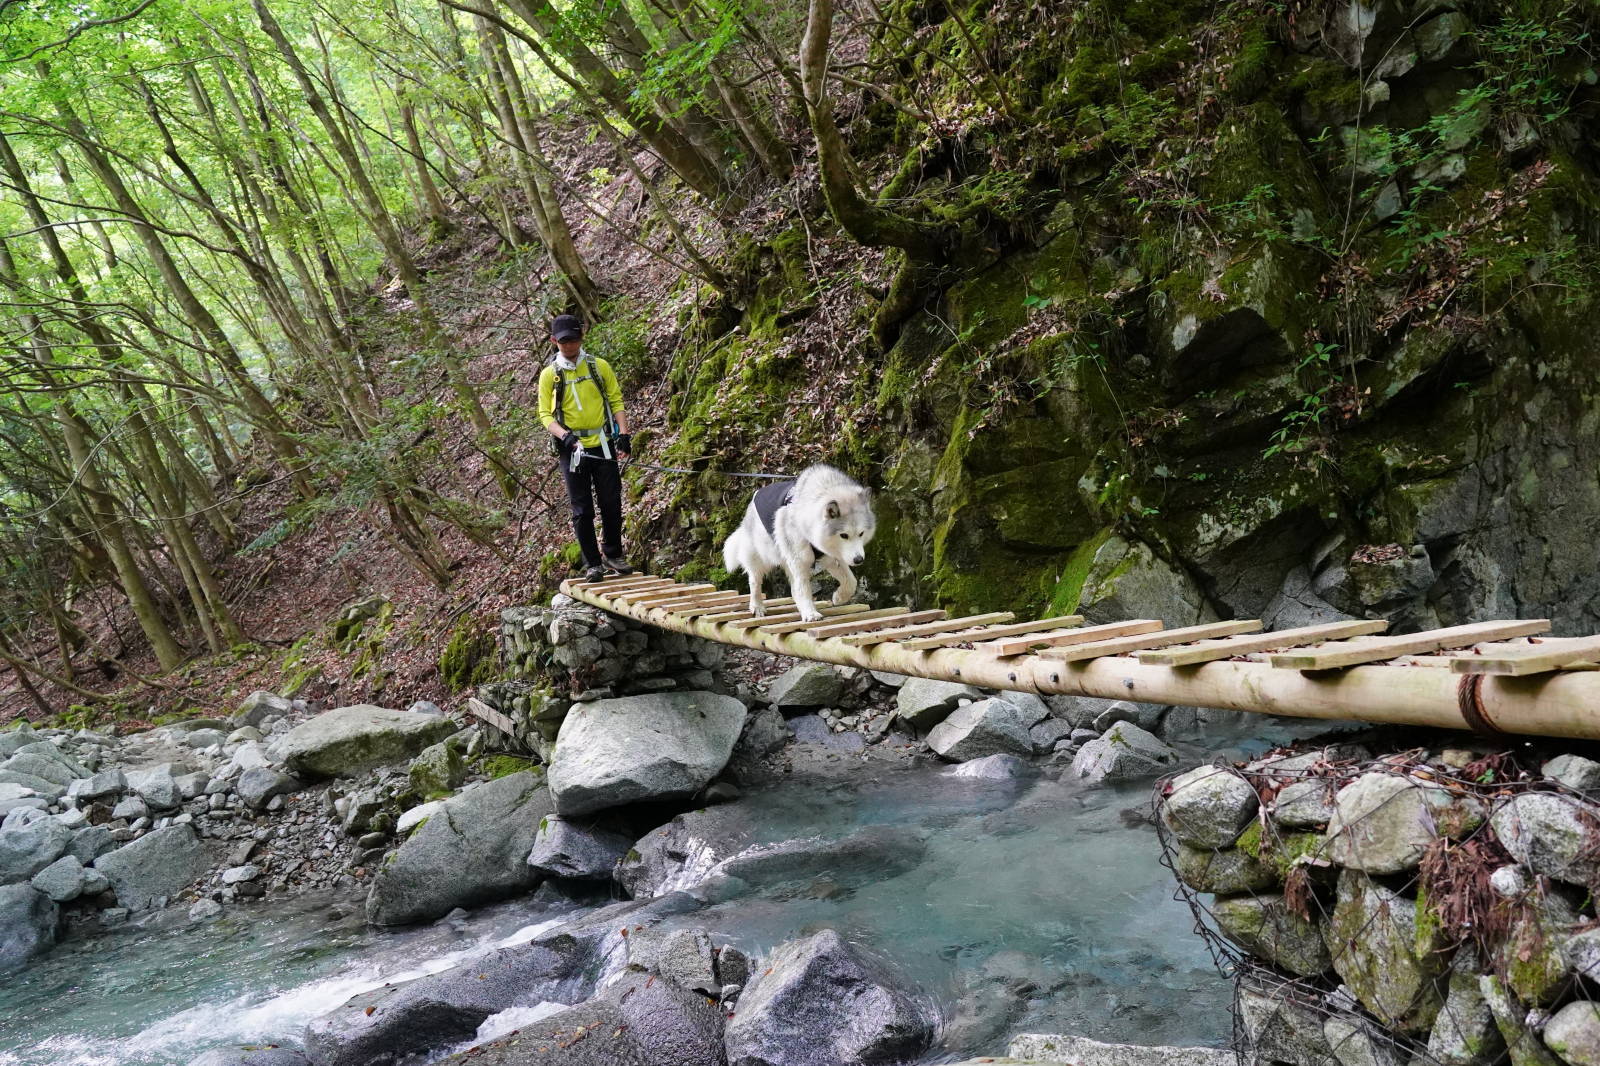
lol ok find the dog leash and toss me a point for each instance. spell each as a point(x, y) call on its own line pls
point(630, 463)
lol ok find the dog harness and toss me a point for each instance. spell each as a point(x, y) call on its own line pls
point(769, 498)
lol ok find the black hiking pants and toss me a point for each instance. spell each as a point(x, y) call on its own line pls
point(595, 478)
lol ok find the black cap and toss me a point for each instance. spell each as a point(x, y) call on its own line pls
point(566, 328)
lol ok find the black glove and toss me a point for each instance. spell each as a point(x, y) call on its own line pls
point(623, 442)
point(567, 443)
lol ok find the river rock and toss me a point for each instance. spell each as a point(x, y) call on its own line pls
point(62, 880)
point(1464, 1033)
point(1224, 872)
point(90, 842)
point(1304, 804)
point(156, 787)
point(33, 764)
point(1574, 1033)
point(131, 808)
point(258, 706)
point(251, 1056)
point(415, 816)
point(1264, 925)
point(1357, 1041)
point(986, 727)
point(1550, 833)
point(1209, 806)
point(1048, 733)
point(1534, 954)
point(41, 787)
point(823, 1000)
point(807, 685)
point(14, 740)
point(439, 770)
point(683, 956)
point(635, 1022)
point(257, 786)
point(1045, 1048)
point(680, 854)
point(566, 848)
point(25, 849)
point(103, 785)
point(923, 702)
point(1575, 772)
point(350, 740)
point(653, 747)
point(1394, 968)
point(1144, 715)
point(1279, 1026)
point(28, 920)
point(156, 866)
point(1126, 752)
point(1382, 822)
point(474, 849)
point(990, 768)
point(872, 853)
point(424, 1016)
point(1511, 1018)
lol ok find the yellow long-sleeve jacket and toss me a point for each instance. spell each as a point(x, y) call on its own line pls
point(581, 408)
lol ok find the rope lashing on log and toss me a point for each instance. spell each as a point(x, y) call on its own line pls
point(1498, 677)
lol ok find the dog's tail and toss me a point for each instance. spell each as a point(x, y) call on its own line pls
point(733, 552)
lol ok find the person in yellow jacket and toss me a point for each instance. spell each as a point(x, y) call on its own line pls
point(580, 403)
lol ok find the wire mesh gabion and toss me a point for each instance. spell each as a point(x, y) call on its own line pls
point(1415, 908)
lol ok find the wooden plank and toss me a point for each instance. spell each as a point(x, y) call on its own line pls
point(1376, 649)
point(649, 597)
point(625, 582)
point(794, 616)
point(1227, 647)
point(862, 625)
point(1551, 653)
point(881, 612)
point(995, 632)
point(703, 599)
point(883, 636)
point(1072, 636)
point(710, 611)
point(483, 711)
point(1163, 639)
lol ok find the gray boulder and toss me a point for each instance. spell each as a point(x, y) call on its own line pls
point(158, 865)
point(653, 747)
point(15, 740)
point(990, 768)
point(91, 842)
point(1048, 733)
point(1125, 753)
point(1392, 963)
point(1383, 822)
point(822, 1000)
point(27, 924)
point(683, 956)
point(41, 787)
point(257, 706)
point(1550, 834)
point(350, 740)
point(99, 786)
point(257, 786)
point(872, 853)
point(1224, 871)
point(1279, 1026)
point(807, 685)
point(33, 764)
point(565, 848)
point(1465, 1034)
point(1574, 1033)
point(1574, 771)
point(62, 880)
point(131, 808)
point(986, 727)
point(251, 1056)
point(25, 849)
point(682, 853)
point(1304, 804)
point(398, 1022)
point(473, 849)
point(1512, 1019)
point(638, 1021)
point(1144, 715)
point(1357, 1041)
point(1209, 806)
point(156, 786)
point(923, 703)
point(1264, 925)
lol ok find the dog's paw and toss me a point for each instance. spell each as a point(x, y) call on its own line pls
point(841, 597)
point(759, 610)
point(812, 615)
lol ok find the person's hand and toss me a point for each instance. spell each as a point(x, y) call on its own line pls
point(624, 443)
point(567, 443)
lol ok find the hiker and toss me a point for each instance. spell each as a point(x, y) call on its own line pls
point(580, 404)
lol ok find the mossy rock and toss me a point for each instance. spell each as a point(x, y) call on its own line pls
point(469, 657)
point(497, 766)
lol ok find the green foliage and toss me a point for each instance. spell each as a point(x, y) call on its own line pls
point(1303, 426)
point(469, 657)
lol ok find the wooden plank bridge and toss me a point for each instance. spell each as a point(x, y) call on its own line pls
point(1497, 678)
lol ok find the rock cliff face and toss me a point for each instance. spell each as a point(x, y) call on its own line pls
point(1266, 317)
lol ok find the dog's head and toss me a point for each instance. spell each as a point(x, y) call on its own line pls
point(848, 524)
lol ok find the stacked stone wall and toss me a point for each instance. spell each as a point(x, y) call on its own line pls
point(1425, 907)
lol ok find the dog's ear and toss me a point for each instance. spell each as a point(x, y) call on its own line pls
point(833, 508)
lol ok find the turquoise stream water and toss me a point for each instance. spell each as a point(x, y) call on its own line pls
point(1038, 906)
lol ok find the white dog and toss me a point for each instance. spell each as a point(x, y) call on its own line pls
point(821, 518)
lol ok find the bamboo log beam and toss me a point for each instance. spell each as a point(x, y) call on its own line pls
point(1551, 704)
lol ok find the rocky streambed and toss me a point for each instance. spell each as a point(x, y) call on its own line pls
point(693, 872)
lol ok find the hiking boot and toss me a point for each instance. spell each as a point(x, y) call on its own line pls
point(619, 567)
point(595, 573)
